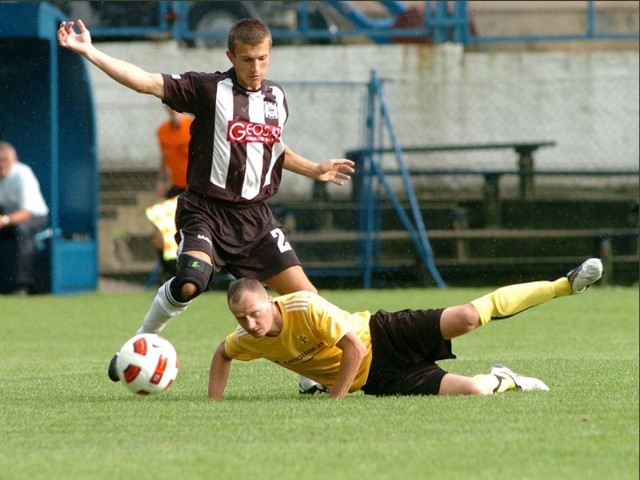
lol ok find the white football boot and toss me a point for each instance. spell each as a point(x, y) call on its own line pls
point(585, 274)
point(527, 384)
point(309, 387)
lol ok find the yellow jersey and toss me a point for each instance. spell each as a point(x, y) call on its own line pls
point(311, 327)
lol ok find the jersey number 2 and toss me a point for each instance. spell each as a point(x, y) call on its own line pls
point(283, 245)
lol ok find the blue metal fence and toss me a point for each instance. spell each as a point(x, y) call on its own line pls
point(429, 21)
point(379, 120)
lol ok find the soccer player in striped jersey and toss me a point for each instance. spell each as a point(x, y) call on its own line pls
point(236, 158)
point(381, 354)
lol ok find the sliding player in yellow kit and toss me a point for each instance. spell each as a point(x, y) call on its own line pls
point(380, 354)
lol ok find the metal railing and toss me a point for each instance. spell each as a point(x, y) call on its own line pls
point(379, 121)
point(440, 22)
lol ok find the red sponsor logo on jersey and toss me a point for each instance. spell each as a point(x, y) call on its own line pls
point(243, 132)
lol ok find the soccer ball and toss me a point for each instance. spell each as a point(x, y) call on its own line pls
point(147, 364)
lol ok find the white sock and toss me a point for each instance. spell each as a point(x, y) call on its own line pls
point(163, 308)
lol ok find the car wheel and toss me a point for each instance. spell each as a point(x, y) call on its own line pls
point(215, 21)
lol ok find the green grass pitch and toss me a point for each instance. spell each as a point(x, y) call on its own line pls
point(61, 418)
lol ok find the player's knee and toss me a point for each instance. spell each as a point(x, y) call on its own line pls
point(192, 278)
point(189, 290)
point(469, 317)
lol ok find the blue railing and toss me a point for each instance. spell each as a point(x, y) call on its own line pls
point(378, 121)
point(430, 21)
point(592, 33)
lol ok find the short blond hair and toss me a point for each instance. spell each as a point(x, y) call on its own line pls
point(247, 31)
point(241, 286)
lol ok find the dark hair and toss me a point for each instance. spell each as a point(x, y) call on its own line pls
point(247, 31)
point(242, 285)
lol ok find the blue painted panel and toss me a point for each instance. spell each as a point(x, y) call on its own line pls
point(28, 19)
point(48, 115)
point(75, 266)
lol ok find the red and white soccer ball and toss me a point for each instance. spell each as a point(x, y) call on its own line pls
point(147, 364)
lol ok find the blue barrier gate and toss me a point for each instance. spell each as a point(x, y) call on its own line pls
point(48, 115)
point(370, 171)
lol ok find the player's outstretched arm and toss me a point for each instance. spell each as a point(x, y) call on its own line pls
point(353, 351)
point(334, 170)
point(219, 372)
point(122, 72)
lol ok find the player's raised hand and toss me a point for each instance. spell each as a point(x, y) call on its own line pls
point(335, 170)
point(68, 38)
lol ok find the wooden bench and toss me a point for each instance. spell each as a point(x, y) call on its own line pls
point(523, 150)
point(463, 256)
point(491, 193)
point(491, 189)
point(464, 234)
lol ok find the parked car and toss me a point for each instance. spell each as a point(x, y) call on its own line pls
point(206, 23)
point(202, 24)
point(285, 19)
point(104, 18)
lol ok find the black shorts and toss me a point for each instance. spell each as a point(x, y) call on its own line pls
point(173, 192)
point(405, 347)
point(244, 238)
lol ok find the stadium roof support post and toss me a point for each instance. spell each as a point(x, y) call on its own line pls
point(372, 169)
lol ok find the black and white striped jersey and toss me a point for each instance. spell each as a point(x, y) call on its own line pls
point(236, 151)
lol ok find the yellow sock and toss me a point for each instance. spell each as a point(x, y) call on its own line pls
point(507, 301)
point(495, 383)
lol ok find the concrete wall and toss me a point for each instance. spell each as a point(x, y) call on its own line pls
point(586, 101)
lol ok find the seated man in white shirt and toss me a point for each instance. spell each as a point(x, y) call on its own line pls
point(23, 213)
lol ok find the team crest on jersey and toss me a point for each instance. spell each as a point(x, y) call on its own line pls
point(302, 339)
point(270, 110)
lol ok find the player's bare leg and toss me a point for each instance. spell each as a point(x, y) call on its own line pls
point(499, 304)
point(504, 303)
point(165, 306)
point(292, 279)
point(510, 300)
point(453, 384)
point(499, 379)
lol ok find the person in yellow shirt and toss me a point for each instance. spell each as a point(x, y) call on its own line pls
point(237, 156)
point(381, 354)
